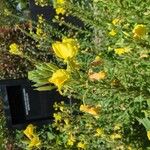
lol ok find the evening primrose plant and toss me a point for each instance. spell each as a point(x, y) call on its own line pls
point(104, 67)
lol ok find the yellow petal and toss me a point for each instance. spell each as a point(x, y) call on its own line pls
point(116, 21)
point(121, 51)
point(15, 49)
point(66, 49)
point(59, 78)
point(29, 131)
point(56, 48)
point(35, 142)
point(148, 134)
point(112, 32)
point(81, 145)
point(139, 31)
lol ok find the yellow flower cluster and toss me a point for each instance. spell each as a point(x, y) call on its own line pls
point(39, 28)
point(67, 50)
point(112, 32)
point(116, 136)
point(99, 132)
point(81, 145)
point(15, 49)
point(32, 136)
point(122, 50)
point(71, 140)
point(59, 6)
point(116, 21)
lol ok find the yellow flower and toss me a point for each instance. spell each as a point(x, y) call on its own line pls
point(59, 6)
point(41, 19)
point(112, 32)
point(148, 134)
point(91, 110)
point(117, 127)
point(59, 78)
point(68, 48)
point(116, 136)
point(121, 51)
point(71, 140)
point(97, 76)
point(29, 131)
point(81, 145)
point(57, 117)
point(15, 49)
point(60, 10)
point(34, 139)
point(115, 21)
point(39, 31)
point(139, 31)
point(99, 132)
point(35, 142)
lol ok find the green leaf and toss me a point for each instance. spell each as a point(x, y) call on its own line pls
point(45, 88)
point(145, 122)
point(50, 136)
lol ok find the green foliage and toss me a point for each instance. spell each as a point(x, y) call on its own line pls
point(41, 75)
point(111, 70)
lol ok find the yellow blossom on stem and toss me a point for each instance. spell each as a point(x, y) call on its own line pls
point(116, 136)
point(71, 140)
point(112, 32)
point(115, 21)
point(81, 145)
point(39, 31)
point(57, 117)
point(35, 142)
point(90, 109)
point(29, 131)
point(148, 134)
point(15, 49)
point(121, 51)
point(117, 127)
point(139, 31)
point(59, 78)
point(41, 19)
point(60, 10)
point(32, 136)
point(99, 132)
point(66, 49)
point(59, 6)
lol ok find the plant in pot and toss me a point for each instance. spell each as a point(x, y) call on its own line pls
point(103, 65)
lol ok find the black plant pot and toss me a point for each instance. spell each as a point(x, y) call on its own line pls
point(24, 105)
